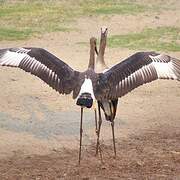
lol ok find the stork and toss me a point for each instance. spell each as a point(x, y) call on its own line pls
point(108, 106)
point(89, 86)
point(56, 73)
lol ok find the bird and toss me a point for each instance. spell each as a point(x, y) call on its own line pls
point(89, 86)
point(56, 73)
point(109, 107)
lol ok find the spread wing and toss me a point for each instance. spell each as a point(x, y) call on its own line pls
point(138, 69)
point(42, 64)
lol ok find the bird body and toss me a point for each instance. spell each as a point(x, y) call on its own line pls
point(87, 87)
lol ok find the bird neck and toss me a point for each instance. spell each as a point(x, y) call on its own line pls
point(92, 57)
point(102, 47)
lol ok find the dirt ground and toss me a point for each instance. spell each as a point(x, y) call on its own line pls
point(39, 129)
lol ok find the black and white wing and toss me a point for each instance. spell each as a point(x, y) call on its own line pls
point(42, 64)
point(138, 69)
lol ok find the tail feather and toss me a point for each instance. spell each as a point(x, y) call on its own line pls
point(85, 100)
point(109, 108)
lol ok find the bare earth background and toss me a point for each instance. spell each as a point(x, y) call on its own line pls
point(39, 129)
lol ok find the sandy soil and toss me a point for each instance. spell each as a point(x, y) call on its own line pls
point(39, 129)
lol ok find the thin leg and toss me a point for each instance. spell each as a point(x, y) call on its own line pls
point(81, 131)
point(99, 128)
point(114, 144)
point(95, 113)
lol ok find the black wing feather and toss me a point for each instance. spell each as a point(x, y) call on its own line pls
point(138, 69)
point(42, 64)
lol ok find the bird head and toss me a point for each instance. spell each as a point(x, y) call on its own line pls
point(104, 31)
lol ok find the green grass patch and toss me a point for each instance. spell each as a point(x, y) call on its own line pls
point(117, 8)
point(32, 17)
point(10, 34)
point(162, 38)
point(28, 18)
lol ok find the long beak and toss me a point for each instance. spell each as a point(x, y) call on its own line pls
point(96, 50)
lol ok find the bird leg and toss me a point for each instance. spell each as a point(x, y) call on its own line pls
point(81, 131)
point(99, 128)
point(114, 144)
point(95, 113)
